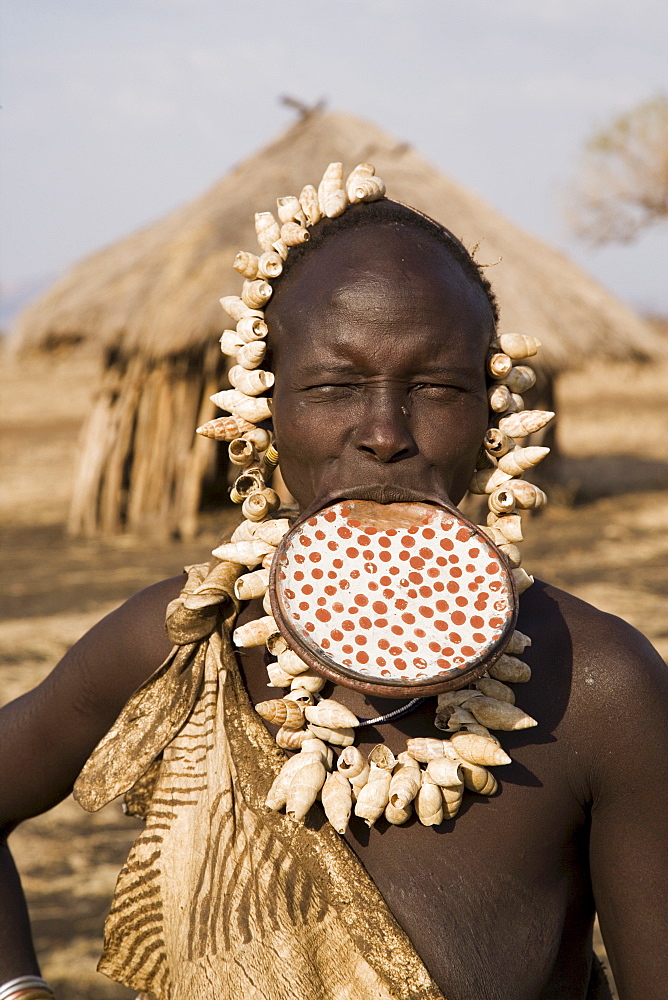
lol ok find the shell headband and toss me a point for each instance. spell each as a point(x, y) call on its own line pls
point(382, 784)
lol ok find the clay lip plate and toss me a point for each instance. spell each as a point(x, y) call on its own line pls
point(395, 599)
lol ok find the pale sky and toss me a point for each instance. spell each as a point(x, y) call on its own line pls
point(116, 111)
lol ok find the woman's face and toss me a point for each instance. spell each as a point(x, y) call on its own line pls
point(379, 342)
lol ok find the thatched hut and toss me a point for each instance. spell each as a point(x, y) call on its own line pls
point(150, 302)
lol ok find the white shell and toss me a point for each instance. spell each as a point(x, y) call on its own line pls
point(250, 408)
point(252, 354)
point(251, 328)
point(267, 229)
point(252, 383)
point(253, 633)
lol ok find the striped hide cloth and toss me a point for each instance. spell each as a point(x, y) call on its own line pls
point(221, 897)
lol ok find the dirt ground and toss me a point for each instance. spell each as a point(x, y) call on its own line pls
point(598, 539)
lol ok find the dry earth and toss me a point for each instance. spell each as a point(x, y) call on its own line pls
point(600, 538)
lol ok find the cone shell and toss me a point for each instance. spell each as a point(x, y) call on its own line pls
point(429, 801)
point(304, 789)
point(246, 553)
point(266, 600)
point(230, 342)
point(405, 784)
point(246, 264)
point(373, 797)
point(517, 346)
point(332, 197)
point(452, 719)
point(291, 739)
point(382, 756)
point(250, 481)
point(251, 355)
point(352, 762)
point(271, 531)
point(525, 422)
point(269, 266)
point(311, 681)
point(512, 554)
point(520, 378)
point(510, 527)
point(520, 459)
point(478, 779)
point(499, 398)
point(244, 532)
point(511, 670)
point(256, 506)
point(301, 696)
point(250, 408)
point(337, 737)
point(313, 745)
point(523, 580)
point(256, 293)
point(293, 234)
point(277, 677)
point(363, 186)
point(497, 536)
point(358, 782)
point(502, 501)
point(499, 714)
point(225, 428)
point(332, 714)
point(497, 443)
point(252, 329)
point(267, 229)
point(308, 200)
point(253, 633)
point(452, 698)
point(242, 452)
point(487, 480)
point(290, 210)
point(275, 642)
point(527, 496)
point(252, 585)
point(495, 689)
point(337, 800)
point(445, 772)
point(452, 800)
point(518, 642)
point(397, 816)
point(424, 749)
point(250, 382)
point(292, 664)
point(479, 750)
point(499, 365)
point(281, 712)
point(237, 309)
point(278, 792)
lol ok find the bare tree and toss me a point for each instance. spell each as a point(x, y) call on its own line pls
point(622, 183)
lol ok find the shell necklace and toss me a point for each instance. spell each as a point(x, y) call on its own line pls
point(431, 775)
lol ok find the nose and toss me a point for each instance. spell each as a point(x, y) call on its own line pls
point(385, 432)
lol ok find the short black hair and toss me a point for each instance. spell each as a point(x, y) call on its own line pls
point(391, 213)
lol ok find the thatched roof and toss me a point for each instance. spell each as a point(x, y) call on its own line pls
point(157, 291)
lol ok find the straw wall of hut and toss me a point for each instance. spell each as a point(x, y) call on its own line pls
point(151, 304)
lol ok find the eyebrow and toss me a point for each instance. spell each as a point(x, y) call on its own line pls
point(342, 368)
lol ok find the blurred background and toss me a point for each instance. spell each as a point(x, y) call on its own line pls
point(138, 139)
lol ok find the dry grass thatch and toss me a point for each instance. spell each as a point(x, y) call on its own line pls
point(156, 292)
point(150, 304)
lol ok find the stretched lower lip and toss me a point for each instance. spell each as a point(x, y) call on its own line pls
point(384, 494)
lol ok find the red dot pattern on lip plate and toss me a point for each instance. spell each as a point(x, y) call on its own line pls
point(412, 633)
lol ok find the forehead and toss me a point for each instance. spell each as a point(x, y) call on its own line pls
point(378, 283)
